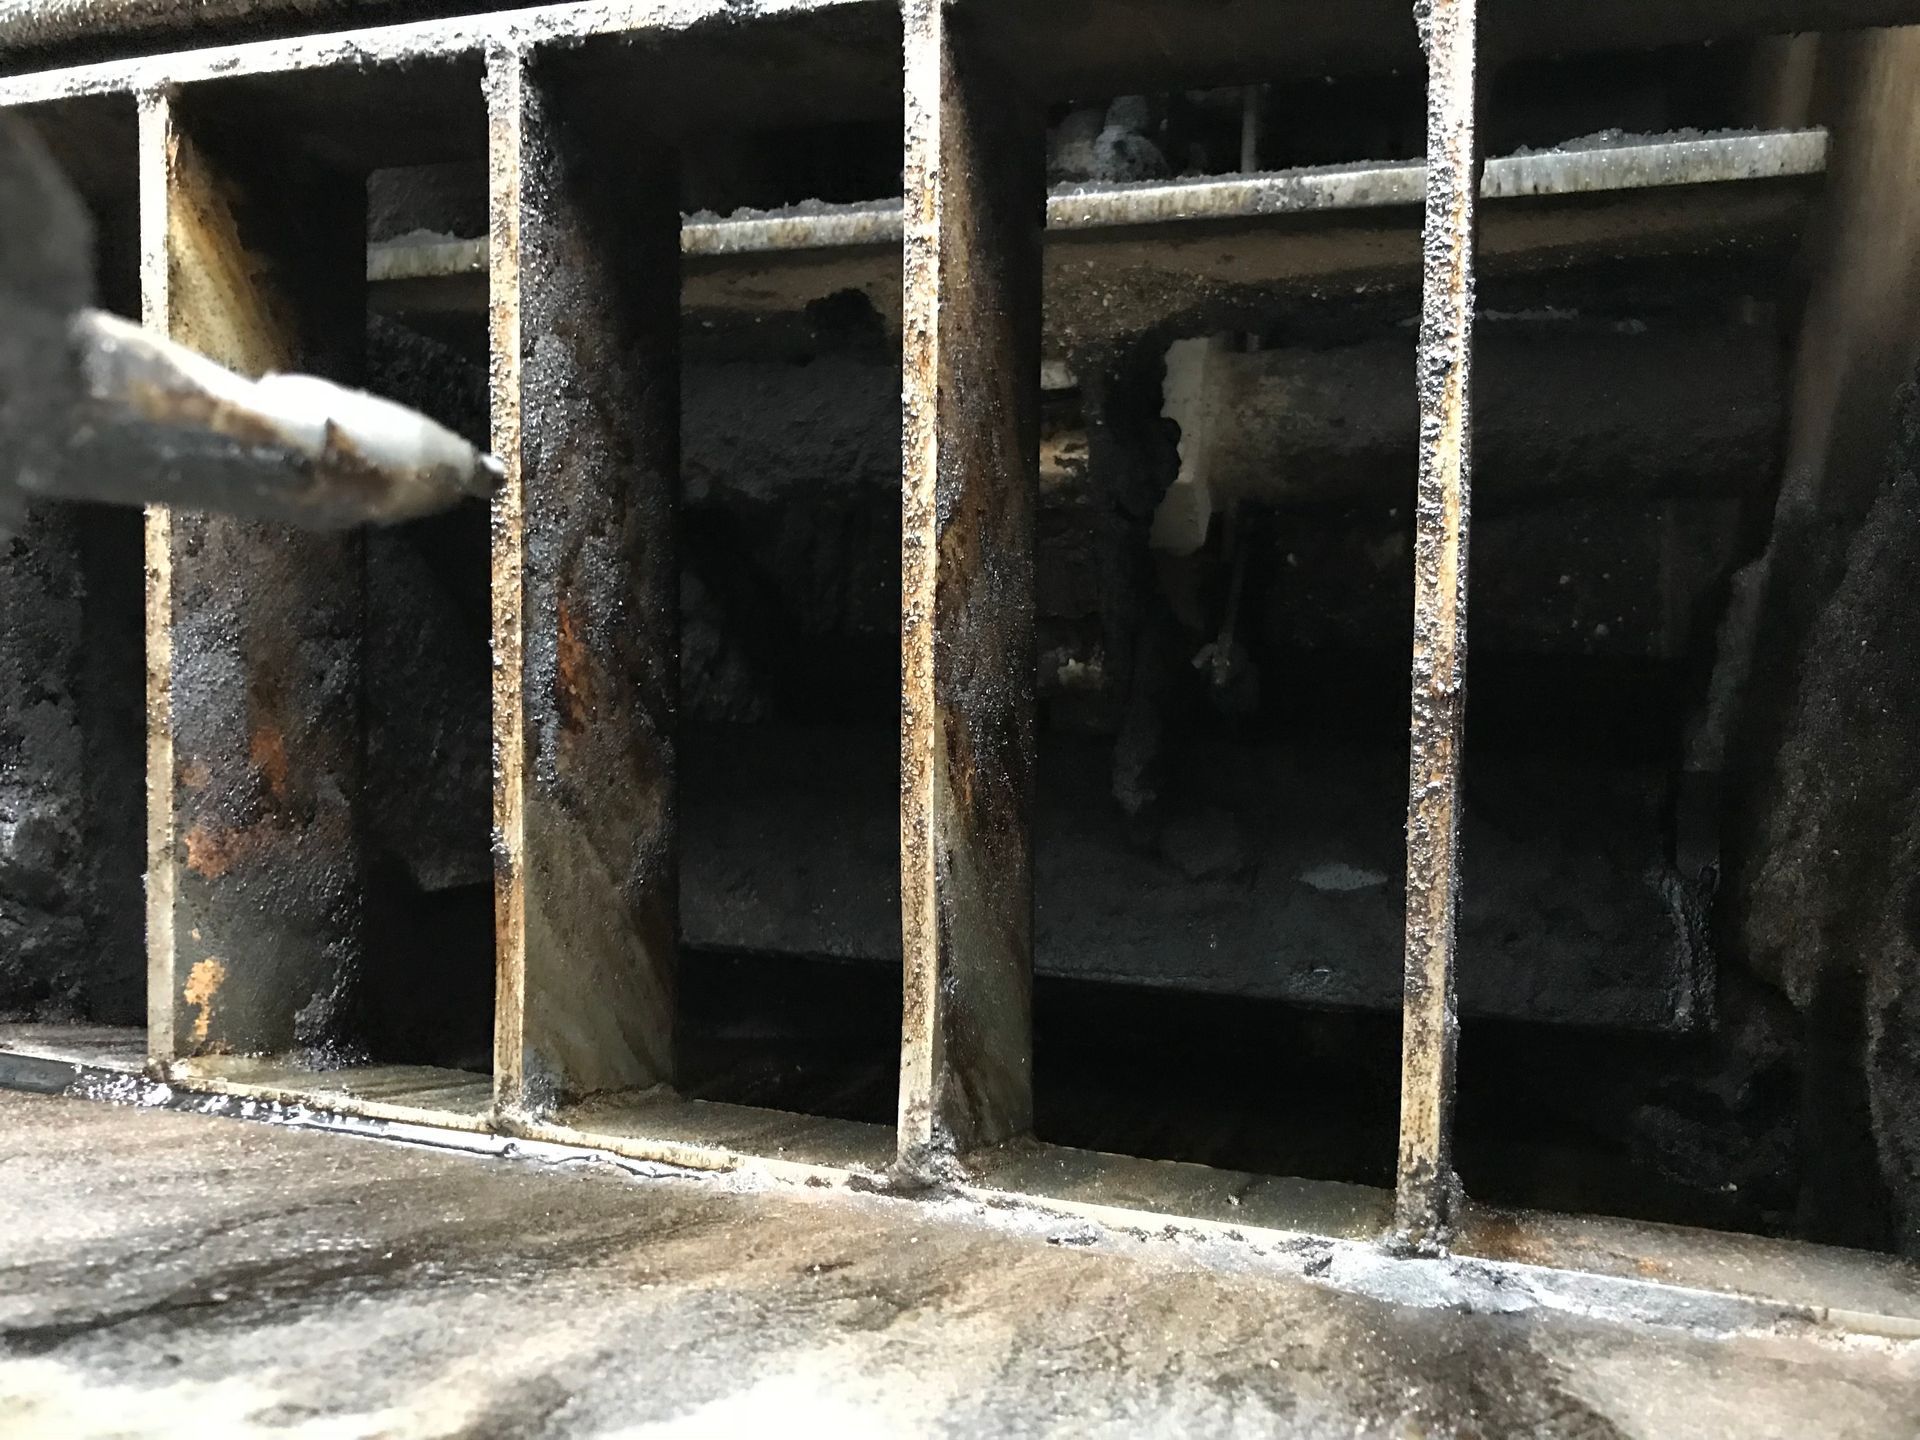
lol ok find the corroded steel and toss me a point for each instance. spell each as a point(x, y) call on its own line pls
point(402, 44)
point(143, 418)
point(1427, 1188)
point(585, 327)
point(1598, 169)
point(975, 209)
point(1194, 255)
point(1065, 47)
point(254, 631)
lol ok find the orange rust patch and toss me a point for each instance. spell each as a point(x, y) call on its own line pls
point(203, 983)
point(212, 852)
point(194, 775)
point(267, 749)
point(1496, 1236)
point(573, 674)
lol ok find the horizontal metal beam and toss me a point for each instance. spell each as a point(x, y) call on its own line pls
point(1064, 48)
point(467, 36)
point(1122, 259)
point(1580, 170)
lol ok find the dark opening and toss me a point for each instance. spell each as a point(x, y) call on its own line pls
point(427, 815)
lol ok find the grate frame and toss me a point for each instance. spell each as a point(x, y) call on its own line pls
point(584, 940)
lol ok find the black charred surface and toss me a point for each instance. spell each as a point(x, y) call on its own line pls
point(1832, 908)
point(427, 815)
point(113, 724)
point(71, 846)
point(1238, 841)
point(45, 273)
point(47, 915)
point(1270, 867)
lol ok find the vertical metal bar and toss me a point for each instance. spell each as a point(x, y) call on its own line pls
point(155, 127)
point(585, 282)
point(1427, 1188)
point(975, 206)
point(254, 632)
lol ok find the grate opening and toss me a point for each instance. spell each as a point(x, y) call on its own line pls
point(1602, 561)
point(428, 997)
point(754, 524)
point(328, 900)
point(71, 646)
point(789, 740)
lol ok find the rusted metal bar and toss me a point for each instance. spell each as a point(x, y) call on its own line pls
point(1076, 49)
point(254, 631)
point(975, 208)
point(1204, 254)
point(585, 334)
point(525, 28)
point(1630, 165)
point(134, 417)
point(1427, 1189)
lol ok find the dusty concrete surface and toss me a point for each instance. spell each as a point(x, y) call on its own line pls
point(167, 1273)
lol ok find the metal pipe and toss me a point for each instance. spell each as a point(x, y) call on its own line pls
point(158, 423)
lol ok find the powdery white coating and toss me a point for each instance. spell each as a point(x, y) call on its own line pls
point(366, 458)
point(1340, 878)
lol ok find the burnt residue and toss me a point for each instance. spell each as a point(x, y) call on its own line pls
point(586, 382)
point(42, 930)
point(426, 815)
point(266, 641)
point(263, 628)
point(1828, 907)
point(974, 215)
point(1427, 1187)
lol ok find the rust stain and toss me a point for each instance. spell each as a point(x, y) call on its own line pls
point(584, 592)
point(1497, 1236)
point(195, 775)
point(213, 851)
point(203, 984)
point(210, 853)
point(215, 299)
point(267, 749)
point(155, 123)
point(573, 673)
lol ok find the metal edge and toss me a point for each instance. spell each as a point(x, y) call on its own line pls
point(1427, 1192)
point(444, 39)
point(1714, 160)
point(1357, 1266)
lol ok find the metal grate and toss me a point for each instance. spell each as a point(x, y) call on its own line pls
point(252, 249)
